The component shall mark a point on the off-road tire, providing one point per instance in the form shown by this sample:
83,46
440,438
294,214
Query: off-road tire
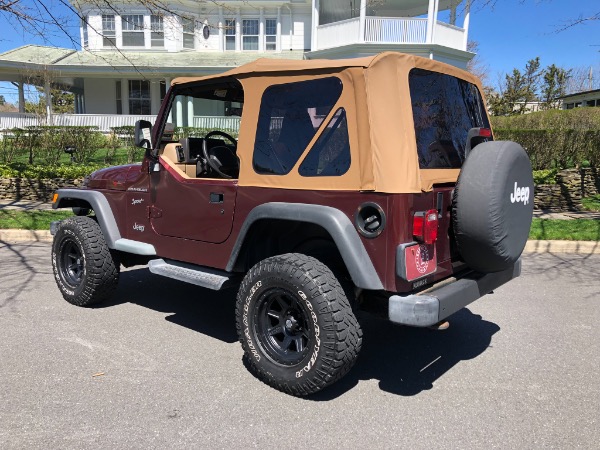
85,269
300,297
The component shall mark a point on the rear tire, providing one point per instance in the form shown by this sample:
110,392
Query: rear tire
85,269
295,324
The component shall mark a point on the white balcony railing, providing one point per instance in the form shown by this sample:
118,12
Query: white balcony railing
338,33
388,30
395,30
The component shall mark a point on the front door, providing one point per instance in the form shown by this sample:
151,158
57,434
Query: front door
191,208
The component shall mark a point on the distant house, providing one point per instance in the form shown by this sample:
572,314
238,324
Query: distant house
581,99
129,55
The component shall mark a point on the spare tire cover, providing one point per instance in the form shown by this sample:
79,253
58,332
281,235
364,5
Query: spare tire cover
493,206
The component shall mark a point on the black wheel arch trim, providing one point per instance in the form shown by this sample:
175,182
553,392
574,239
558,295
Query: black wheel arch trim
101,207
334,221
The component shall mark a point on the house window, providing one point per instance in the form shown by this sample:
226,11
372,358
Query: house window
139,97
84,22
250,34
157,35
271,34
118,96
108,31
229,34
133,30
189,26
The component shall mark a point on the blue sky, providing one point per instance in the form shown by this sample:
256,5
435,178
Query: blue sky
509,34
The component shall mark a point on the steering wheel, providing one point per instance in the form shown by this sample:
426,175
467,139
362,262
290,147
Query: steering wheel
212,159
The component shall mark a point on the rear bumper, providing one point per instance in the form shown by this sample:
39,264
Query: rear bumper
439,302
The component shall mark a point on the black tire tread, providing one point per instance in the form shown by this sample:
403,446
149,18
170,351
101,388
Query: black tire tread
341,337
102,267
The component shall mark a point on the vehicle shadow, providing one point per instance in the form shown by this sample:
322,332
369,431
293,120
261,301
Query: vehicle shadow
208,312
408,360
405,360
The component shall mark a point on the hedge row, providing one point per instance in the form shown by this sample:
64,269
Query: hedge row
550,149
555,119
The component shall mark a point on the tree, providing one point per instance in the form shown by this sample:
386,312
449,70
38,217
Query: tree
554,85
62,102
517,91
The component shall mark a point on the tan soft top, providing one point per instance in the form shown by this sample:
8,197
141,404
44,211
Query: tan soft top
376,98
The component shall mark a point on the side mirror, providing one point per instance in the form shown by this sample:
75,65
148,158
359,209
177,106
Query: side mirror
142,134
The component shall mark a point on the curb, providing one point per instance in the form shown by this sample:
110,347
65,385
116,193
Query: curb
580,247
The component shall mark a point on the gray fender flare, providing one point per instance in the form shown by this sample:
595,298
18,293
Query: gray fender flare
106,220
337,224
101,207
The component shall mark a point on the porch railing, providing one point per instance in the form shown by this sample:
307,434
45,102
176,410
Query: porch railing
395,30
388,30
105,122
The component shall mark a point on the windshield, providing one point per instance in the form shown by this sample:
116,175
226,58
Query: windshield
197,109
444,109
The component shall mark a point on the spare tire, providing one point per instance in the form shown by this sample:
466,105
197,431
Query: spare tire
493,206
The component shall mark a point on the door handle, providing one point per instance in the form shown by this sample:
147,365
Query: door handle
216,197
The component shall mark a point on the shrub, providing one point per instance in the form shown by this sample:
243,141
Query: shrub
71,171
556,148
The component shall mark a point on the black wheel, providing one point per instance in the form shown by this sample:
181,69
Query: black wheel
85,269
295,324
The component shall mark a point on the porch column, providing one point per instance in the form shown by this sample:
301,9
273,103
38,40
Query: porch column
125,96
278,38
466,23
361,26
238,30
453,12
261,29
190,111
154,96
179,111
167,87
21,88
221,24
48,93
431,19
315,24
76,103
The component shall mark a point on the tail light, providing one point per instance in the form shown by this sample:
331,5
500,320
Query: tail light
425,226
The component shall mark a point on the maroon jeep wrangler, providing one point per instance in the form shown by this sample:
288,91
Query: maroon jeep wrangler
353,184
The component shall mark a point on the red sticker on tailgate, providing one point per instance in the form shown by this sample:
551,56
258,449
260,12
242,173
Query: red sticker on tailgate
420,260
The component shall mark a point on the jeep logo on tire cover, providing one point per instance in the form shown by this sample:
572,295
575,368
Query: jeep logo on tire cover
520,195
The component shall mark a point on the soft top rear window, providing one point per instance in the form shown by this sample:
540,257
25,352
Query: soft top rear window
444,108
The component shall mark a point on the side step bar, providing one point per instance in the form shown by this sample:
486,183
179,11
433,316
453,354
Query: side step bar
190,273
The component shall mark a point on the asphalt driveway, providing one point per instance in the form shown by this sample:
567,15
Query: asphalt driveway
160,367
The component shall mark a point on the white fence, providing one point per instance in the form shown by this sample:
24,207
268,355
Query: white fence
217,122
105,122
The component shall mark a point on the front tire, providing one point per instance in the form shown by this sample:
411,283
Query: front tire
85,269
295,324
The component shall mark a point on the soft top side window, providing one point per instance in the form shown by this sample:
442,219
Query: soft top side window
330,156
289,117
444,109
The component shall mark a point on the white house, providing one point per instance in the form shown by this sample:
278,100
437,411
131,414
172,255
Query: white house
129,54
581,99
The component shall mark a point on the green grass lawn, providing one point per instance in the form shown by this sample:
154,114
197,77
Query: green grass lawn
591,203
565,230
545,229
30,220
